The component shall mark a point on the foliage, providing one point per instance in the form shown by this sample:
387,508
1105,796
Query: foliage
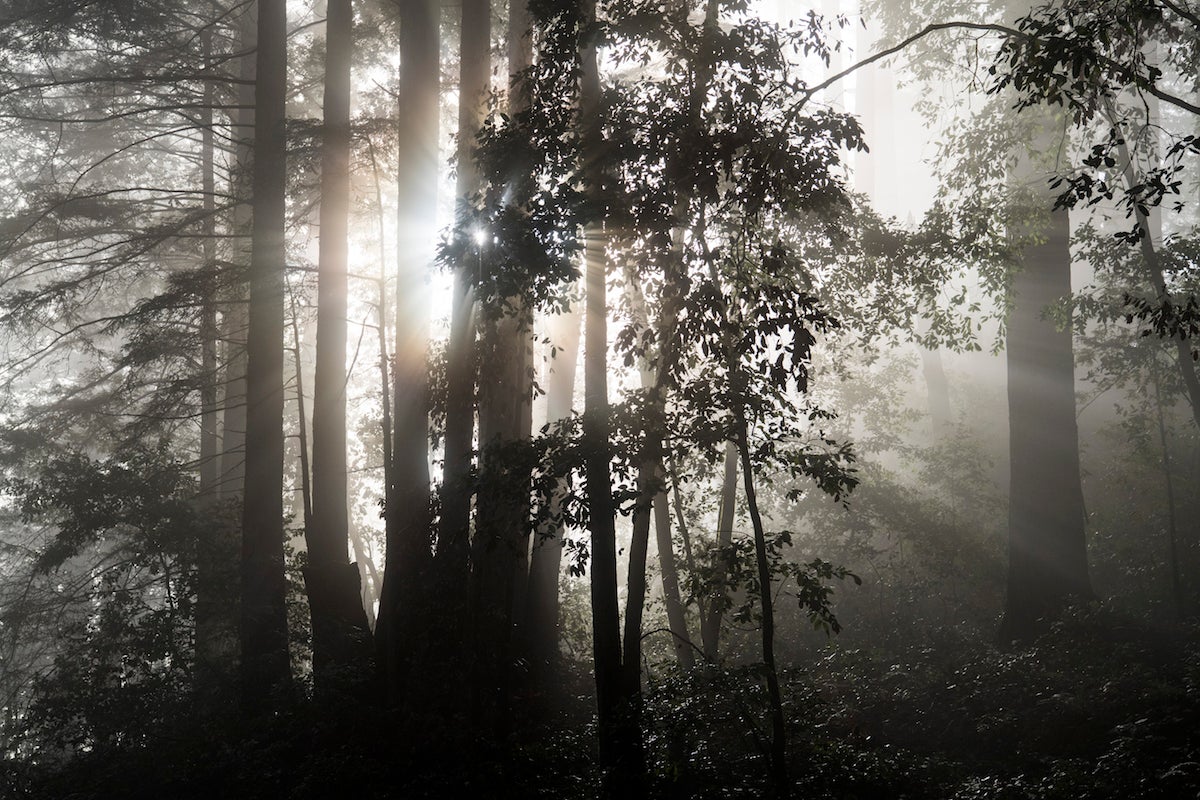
122,546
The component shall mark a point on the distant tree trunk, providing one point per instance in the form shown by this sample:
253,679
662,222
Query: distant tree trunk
1154,270
648,482
621,754
714,606
1047,545
505,395
1183,357
333,584
938,389
681,639
1181,610
216,590
540,632
408,561
302,444
265,668
235,288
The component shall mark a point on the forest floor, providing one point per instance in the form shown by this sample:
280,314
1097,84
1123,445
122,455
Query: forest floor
1096,709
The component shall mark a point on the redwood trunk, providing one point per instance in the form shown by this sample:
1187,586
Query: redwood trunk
339,623
407,506
266,670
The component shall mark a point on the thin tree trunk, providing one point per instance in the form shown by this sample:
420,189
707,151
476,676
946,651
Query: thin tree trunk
209,437
541,629
266,670
235,288
1183,348
1172,533
621,755
681,639
649,470
216,618
407,562
710,625
778,732
302,444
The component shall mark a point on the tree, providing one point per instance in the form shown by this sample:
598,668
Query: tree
621,754
338,620
500,549
407,501
452,560
266,666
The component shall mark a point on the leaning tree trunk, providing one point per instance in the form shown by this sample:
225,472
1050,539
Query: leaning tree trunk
266,670
774,698
681,639
407,563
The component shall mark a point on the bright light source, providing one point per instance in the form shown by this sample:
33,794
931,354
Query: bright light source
480,236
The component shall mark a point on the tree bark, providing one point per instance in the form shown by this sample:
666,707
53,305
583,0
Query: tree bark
333,584
452,561
266,670
621,755
1047,545
235,288
681,639
216,590
540,629
407,563
501,543
778,731
714,612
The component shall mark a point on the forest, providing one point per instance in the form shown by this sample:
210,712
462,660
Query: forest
600,399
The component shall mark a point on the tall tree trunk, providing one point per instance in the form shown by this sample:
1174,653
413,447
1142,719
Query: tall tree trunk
302,445
621,754
648,482
333,584
235,288
408,560
453,546
505,395
216,610
1154,270
1177,595
657,380
540,631
266,670
714,606
1047,544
